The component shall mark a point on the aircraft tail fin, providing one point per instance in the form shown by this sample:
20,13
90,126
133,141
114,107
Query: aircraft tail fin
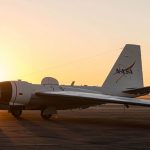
126,73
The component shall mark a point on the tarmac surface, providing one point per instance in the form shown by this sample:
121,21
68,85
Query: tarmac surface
98,128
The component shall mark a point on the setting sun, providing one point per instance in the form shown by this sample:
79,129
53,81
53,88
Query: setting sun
3,73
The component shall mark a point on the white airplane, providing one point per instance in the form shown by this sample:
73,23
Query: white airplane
123,84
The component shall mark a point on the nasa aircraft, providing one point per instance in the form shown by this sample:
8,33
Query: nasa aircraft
123,84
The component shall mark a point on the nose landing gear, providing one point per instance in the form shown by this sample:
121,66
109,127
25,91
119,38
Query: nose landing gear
15,111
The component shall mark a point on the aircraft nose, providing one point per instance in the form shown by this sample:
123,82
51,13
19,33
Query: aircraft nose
0,94
5,92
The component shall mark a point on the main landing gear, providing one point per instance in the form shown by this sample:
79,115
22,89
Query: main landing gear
47,112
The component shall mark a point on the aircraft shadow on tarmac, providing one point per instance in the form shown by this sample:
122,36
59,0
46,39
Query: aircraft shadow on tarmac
98,122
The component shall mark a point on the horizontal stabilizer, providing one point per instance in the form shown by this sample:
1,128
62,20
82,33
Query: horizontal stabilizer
139,91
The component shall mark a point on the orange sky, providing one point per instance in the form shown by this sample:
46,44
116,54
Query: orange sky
70,40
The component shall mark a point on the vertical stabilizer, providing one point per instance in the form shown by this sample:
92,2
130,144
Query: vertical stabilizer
127,73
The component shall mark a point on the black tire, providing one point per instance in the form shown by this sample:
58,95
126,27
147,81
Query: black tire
47,116
16,112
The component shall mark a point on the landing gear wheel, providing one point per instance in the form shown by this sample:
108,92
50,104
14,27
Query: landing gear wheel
45,115
16,112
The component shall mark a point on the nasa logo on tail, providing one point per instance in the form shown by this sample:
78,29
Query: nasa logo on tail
124,71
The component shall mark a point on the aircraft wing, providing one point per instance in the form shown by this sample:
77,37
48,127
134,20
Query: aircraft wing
73,97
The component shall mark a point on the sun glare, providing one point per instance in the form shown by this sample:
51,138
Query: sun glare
3,74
